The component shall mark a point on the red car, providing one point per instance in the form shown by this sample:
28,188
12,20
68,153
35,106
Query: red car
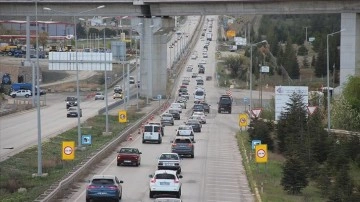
128,156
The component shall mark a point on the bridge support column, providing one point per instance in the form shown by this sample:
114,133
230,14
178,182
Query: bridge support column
154,55
349,46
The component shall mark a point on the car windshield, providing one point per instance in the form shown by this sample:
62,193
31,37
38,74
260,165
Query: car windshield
184,128
165,176
167,115
102,181
199,93
169,157
198,107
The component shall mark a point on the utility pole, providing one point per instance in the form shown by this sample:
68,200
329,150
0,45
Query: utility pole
306,38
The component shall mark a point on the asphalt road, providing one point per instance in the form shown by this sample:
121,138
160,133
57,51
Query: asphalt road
216,174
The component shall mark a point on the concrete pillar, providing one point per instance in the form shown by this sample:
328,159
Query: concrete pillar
27,61
349,46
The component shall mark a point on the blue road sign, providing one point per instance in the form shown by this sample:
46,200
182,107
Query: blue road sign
245,100
86,139
255,142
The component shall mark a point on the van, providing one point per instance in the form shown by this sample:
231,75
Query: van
152,133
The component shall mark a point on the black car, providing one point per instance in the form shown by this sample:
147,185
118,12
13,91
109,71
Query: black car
182,90
175,113
201,70
71,102
196,125
206,107
225,104
198,108
200,82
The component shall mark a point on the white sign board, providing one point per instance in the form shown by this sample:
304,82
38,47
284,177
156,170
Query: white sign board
265,69
282,96
88,61
240,41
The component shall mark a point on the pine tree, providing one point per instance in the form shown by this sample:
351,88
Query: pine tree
313,61
291,65
259,130
342,189
294,177
306,63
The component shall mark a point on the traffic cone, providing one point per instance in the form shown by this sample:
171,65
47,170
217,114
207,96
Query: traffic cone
130,138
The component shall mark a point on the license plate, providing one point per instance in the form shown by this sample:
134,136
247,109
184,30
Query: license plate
127,161
164,183
101,193
168,164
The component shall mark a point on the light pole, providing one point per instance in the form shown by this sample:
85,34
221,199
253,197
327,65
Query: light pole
136,66
77,67
251,55
328,79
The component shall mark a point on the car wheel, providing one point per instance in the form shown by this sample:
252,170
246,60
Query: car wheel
26,95
192,156
151,194
143,141
120,196
118,164
88,200
219,111
172,123
178,195
13,96
230,112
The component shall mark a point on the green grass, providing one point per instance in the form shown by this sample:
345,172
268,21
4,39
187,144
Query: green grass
16,172
269,176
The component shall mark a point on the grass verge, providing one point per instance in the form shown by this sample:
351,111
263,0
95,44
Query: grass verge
16,172
265,178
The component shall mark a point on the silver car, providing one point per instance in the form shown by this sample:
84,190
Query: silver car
99,96
166,119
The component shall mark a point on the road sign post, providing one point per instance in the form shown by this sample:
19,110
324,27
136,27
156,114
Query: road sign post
243,120
261,155
122,116
68,150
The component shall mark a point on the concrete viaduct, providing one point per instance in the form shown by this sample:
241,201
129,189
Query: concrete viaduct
156,44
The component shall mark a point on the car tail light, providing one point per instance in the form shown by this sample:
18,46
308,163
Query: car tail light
190,144
113,187
176,181
153,180
176,164
91,187
174,144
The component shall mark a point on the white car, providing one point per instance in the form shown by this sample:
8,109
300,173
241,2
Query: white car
202,62
176,106
197,117
169,161
168,200
185,130
199,95
193,57
99,96
202,115
131,80
21,93
165,182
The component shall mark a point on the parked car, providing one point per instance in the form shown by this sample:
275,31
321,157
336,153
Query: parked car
169,161
99,96
166,182
21,93
167,118
73,112
128,156
183,146
102,187
71,101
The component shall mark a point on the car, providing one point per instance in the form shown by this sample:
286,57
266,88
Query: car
128,156
208,78
165,182
201,70
168,200
182,89
202,116
198,108
202,61
99,96
175,114
183,146
152,133
196,117
199,95
167,118
225,104
185,82
71,101
73,112
102,187
193,57
206,107
182,101
194,75
196,125
176,106
117,95
185,95
186,131
117,89
21,93
200,82
189,68
205,55
169,161
131,80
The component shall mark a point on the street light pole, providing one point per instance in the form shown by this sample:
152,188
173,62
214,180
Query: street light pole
251,59
328,79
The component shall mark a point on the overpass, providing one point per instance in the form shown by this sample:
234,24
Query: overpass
349,9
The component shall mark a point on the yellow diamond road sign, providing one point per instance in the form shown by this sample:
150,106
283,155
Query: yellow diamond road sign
122,116
243,120
261,154
68,150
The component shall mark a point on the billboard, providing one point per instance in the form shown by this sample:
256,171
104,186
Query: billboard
282,96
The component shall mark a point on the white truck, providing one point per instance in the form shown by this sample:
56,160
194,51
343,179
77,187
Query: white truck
209,36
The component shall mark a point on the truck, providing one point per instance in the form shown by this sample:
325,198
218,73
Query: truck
209,36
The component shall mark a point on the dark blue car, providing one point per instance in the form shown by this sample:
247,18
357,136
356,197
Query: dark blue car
104,187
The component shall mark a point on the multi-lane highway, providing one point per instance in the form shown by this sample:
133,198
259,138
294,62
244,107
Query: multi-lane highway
215,174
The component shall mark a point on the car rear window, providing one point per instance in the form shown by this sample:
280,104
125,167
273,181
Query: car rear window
199,93
182,141
165,176
225,100
102,181
169,157
148,129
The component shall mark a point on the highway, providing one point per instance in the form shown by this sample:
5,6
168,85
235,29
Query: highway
215,174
